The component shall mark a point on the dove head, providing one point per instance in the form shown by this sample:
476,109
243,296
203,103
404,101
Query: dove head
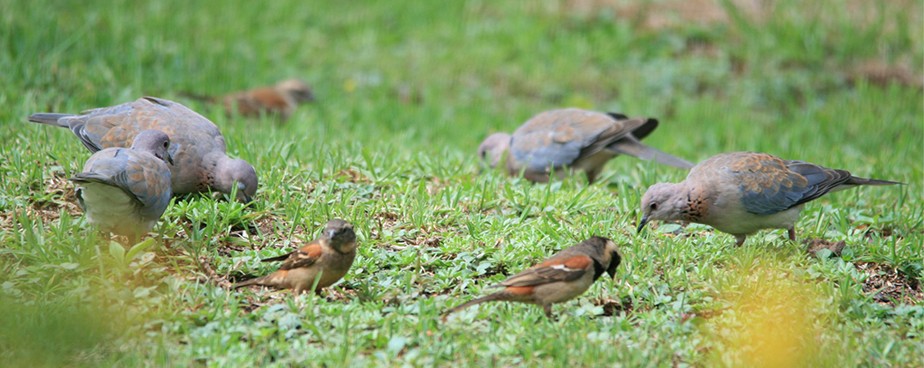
236,173
662,201
340,235
493,147
154,142
297,88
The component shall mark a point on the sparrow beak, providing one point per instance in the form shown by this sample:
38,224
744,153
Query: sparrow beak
641,224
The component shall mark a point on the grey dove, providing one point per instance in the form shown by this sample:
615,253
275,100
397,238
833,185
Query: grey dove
126,190
742,192
570,139
197,145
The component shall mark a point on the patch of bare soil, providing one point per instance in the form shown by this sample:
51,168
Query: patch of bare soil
47,210
353,176
612,307
883,74
888,285
659,15
63,197
817,245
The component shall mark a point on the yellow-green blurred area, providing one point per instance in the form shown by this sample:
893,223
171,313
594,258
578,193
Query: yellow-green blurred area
50,333
405,91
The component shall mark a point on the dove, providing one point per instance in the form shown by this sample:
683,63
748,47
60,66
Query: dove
325,261
197,146
742,192
280,99
126,190
562,277
569,139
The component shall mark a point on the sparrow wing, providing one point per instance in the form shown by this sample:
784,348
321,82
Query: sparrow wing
552,270
303,257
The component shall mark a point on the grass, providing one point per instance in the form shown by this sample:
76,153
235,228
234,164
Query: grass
406,91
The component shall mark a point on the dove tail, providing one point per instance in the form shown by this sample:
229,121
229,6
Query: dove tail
90,177
50,118
198,97
637,149
487,298
855,180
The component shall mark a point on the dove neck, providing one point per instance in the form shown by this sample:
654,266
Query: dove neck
219,164
692,201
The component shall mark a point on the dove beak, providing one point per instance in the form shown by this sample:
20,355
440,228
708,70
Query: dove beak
241,194
169,158
641,224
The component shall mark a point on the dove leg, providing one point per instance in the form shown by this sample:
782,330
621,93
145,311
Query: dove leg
739,240
792,233
548,310
592,175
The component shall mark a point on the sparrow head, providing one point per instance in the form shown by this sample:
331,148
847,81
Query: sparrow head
236,174
493,148
155,142
660,203
297,88
604,252
340,235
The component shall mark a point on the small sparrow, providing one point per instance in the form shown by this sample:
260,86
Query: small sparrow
325,260
126,190
562,277
280,99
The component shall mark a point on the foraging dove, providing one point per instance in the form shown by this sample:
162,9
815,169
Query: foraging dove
126,190
325,261
742,192
197,145
280,99
572,139
560,278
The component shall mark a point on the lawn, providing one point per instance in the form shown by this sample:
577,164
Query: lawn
405,92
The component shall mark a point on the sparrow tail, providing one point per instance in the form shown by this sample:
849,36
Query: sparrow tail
256,281
49,118
276,258
487,298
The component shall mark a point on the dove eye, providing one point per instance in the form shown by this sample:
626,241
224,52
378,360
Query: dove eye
653,206
166,144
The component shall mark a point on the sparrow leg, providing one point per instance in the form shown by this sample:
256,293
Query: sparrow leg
792,233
